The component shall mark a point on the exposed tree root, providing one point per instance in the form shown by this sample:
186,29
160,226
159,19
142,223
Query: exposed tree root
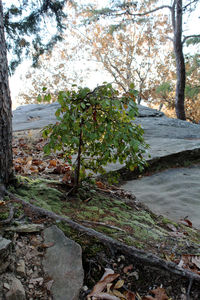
141,256
11,215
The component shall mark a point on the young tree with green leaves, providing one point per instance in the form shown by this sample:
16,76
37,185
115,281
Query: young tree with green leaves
97,126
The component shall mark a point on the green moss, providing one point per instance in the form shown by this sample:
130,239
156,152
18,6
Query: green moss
39,192
142,228
4,215
166,221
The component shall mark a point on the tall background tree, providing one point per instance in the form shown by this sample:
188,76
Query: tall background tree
21,22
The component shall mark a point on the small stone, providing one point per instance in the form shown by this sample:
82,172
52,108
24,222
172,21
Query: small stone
85,288
134,274
49,285
35,268
21,268
29,272
6,285
39,280
16,291
30,286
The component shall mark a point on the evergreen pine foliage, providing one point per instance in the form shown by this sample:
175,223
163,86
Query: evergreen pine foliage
26,28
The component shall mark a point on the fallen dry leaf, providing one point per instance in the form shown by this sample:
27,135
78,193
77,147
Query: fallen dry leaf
119,284
104,296
101,285
196,260
130,295
100,185
186,222
159,294
118,294
190,262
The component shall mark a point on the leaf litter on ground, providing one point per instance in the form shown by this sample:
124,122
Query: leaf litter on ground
107,288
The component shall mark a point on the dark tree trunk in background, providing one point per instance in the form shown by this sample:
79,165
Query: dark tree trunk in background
5,111
177,14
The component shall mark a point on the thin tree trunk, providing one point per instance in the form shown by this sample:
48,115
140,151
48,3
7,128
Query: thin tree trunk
5,111
180,62
77,168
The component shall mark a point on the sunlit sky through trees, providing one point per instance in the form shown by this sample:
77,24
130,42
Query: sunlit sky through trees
191,26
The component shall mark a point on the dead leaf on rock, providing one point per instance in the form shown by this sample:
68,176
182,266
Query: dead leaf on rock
186,222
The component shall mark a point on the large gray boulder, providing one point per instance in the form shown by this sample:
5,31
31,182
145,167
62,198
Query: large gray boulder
63,264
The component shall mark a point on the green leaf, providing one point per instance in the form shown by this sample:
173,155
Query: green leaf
47,98
39,98
83,105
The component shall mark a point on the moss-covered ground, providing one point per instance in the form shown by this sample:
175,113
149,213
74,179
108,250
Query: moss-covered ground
126,221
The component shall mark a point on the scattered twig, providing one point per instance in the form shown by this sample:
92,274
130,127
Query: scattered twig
189,289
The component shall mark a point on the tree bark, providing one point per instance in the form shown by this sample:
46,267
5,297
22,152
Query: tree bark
5,111
177,13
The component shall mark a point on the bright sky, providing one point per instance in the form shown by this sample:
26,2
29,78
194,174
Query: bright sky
192,26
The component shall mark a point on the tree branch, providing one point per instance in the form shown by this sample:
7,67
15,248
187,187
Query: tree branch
190,36
148,12
185,7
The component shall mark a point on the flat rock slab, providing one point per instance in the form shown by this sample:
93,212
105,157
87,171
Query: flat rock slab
63,264
164,135
174,193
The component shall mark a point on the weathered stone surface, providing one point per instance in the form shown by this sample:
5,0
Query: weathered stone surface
63,263
34,116
5,246
16,291
164,135
174,193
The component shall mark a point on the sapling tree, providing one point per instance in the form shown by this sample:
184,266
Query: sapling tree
97,126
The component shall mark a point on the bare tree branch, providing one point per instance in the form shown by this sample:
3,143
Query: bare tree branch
191,2
148,12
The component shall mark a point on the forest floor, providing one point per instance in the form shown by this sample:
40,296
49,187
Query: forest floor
42,181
